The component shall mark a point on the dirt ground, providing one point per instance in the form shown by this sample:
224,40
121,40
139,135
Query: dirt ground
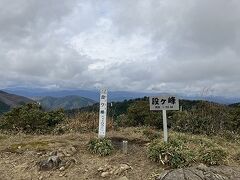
20,153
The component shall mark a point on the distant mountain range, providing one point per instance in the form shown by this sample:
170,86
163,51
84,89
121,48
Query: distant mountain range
8,101
91,94
67,102
113,95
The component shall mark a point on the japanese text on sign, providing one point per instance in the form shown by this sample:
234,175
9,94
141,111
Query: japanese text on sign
164,103
102,113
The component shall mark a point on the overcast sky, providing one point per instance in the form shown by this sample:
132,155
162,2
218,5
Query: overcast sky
184,46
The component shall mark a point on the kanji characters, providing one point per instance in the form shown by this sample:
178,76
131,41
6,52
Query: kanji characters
172,100
163,101
155,101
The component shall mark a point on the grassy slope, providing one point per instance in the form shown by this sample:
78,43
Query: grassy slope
19,154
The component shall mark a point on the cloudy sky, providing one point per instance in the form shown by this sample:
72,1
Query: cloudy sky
186,46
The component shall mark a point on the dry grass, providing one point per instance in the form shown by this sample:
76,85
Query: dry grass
198,141
82,122
15,165
19,154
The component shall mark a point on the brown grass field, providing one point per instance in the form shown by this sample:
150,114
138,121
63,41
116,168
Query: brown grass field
20,153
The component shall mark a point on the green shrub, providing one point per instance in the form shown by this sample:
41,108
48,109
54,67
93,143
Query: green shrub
172,154
212,156
31,119
103,147
183,150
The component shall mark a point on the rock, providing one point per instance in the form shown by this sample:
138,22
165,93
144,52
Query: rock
60,154
52,162
108,170
105,174
113,170
39,153
202,167
100,169
105,168
40,178
117,171
55,160
44,165
122,168
73,150
125,167
54,153
201,172
62,168
122,178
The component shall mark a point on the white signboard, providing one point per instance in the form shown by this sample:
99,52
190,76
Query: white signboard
164,103
102,113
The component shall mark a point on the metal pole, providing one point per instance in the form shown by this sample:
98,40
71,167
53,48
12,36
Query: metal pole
165,133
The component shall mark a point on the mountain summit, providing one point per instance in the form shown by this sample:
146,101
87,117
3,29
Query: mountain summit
8,101
67,102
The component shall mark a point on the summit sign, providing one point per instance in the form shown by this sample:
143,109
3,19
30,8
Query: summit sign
164,103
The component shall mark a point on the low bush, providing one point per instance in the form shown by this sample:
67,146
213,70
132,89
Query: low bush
212,156
139,114
31,119
206,118
184,150
102,147
172,154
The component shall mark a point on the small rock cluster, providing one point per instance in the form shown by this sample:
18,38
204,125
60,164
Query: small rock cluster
109,170
67,152
56,160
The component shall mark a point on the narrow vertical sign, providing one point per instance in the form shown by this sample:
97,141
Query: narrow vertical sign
102,113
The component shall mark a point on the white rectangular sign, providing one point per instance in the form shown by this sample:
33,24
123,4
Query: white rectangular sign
164,103
102,113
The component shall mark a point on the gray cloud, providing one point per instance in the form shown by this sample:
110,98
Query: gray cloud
149,45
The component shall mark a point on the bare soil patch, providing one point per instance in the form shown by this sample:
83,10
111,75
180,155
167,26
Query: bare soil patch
19,155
